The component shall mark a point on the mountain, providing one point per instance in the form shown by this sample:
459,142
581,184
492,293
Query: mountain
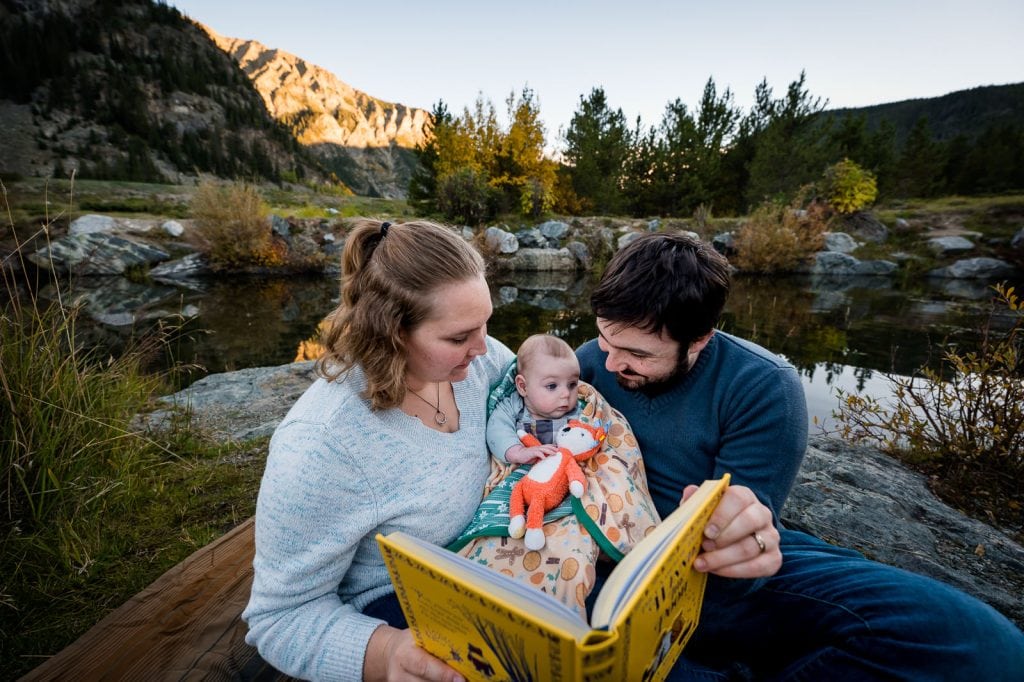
132,90
965,112
369,143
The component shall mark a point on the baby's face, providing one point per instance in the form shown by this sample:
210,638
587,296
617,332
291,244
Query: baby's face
549,386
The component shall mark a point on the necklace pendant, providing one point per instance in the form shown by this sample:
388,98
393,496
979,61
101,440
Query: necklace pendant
440,418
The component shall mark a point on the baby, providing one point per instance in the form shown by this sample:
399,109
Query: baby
546,397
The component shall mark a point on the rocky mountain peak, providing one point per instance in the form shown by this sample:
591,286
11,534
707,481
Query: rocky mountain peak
368,142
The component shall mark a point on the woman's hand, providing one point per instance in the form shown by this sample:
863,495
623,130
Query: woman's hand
740,540
392,655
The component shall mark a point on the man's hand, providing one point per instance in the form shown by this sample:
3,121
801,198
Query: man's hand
740,540
392,655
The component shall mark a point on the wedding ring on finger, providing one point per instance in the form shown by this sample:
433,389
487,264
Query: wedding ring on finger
759,540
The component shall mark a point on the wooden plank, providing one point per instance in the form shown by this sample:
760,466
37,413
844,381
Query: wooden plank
184,626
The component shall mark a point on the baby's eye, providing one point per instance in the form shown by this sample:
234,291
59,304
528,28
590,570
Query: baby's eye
573,384
551,387
459,340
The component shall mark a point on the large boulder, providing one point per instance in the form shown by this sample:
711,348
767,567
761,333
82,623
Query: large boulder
539,259
92,224
865,226
96,253
976,268
950,246
498,240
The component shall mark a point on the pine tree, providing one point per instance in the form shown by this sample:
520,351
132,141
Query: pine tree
597,145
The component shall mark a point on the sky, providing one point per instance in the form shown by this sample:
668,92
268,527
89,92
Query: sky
644,53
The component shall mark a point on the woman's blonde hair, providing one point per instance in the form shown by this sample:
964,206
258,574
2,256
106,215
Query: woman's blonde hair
388,275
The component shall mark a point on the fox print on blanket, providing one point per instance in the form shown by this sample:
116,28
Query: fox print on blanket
549,480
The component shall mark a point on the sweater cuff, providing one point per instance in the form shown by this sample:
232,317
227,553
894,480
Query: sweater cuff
343,658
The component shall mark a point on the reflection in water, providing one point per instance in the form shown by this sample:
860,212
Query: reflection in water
839,334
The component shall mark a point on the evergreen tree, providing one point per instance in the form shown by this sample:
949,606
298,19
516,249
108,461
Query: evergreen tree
787,152
642,184
919,169
716,124
423,184
597,145
676,184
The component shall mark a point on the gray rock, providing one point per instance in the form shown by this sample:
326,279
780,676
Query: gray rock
840,242
119,302
280,226
628,238
976,268
507,294
876,267
539,259
554,230
857,497
1018,240
192,265
948,246
531,238
467,233
581,253
834,264
901,224
724,243
96,253
92,224
498,240
653,225
173,228
239,405
849,495
864,225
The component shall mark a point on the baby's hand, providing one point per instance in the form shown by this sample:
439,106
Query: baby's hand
528,455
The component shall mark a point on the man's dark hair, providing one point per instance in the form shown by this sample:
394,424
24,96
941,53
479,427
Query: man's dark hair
664,281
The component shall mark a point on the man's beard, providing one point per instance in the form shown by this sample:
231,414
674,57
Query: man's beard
656,384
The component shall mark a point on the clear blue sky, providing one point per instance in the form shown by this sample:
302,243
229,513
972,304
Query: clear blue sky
645,53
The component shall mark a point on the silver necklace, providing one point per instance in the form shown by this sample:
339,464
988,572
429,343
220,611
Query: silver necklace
440,418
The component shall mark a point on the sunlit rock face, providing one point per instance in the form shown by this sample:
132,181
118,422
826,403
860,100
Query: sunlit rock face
369,143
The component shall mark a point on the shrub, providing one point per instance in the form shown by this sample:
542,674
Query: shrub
231,225
777,237
848,188
966,413
465,196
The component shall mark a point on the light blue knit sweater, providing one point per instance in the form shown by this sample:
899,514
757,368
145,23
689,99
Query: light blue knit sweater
338,474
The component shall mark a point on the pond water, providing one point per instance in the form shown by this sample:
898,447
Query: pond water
840,334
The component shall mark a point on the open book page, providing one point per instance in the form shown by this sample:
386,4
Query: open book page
629,577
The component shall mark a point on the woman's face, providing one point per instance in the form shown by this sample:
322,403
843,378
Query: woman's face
443,345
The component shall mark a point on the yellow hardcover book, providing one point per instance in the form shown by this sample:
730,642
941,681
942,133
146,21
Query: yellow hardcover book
491,627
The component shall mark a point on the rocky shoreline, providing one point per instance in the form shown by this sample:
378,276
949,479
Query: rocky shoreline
849,495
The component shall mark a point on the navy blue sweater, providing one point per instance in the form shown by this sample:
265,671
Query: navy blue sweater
740,409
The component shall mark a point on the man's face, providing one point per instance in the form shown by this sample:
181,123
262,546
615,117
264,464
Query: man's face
639,358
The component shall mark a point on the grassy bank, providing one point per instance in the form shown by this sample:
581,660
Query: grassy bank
93,506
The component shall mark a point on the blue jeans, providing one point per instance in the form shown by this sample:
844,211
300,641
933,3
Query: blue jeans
830,614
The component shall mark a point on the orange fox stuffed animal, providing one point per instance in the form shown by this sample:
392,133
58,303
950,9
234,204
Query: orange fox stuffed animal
548,481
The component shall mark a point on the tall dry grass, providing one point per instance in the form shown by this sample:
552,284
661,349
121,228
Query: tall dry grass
232,227
777,237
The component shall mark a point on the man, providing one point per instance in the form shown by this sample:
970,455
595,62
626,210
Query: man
702,403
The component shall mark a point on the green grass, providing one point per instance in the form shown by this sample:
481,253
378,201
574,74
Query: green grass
94,507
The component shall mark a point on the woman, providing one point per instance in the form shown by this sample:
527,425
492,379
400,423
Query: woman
391,437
